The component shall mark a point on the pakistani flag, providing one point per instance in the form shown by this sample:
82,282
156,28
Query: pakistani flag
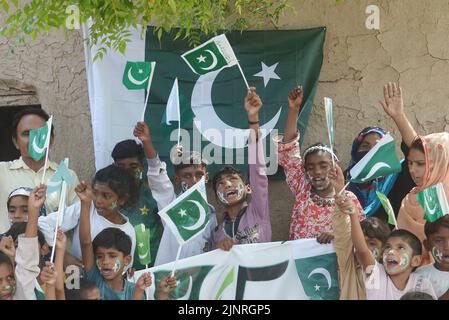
188,215
138,75
213,55
62,174
434,201
381,160
319,276
39,140
143,244
173,110
388,208
329,120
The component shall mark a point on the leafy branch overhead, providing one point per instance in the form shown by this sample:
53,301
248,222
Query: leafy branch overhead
111,19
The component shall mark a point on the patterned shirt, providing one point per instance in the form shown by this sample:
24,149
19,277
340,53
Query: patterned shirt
309,219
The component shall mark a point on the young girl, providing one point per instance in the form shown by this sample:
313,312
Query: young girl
113,188
308,179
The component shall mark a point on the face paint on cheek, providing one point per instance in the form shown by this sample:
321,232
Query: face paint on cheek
437,255
222,198
97,262
117,265
375,253
113,206
184,186
405,261
240,191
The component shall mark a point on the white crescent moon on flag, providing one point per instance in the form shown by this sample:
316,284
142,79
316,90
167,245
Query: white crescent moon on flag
36,147
374,169
133,80
214,61
324,272
431,211
210,123
143,256
189,290
201,218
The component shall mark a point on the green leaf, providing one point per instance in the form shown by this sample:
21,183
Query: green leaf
172,5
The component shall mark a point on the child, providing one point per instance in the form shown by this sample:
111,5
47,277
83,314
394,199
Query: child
375,231
308,179
187,173
18,283
88,290
130,155
400,257
114,188
245,223
437,242
18,205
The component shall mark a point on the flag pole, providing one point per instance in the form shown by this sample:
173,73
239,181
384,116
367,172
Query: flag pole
45,165
50,125
176,260
153,64
344,188
243,75
60,213
179,125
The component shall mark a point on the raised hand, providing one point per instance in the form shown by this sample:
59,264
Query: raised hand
345,204
7,247
252,104
142,131
36,199
61,240
295,99
393,104
337,178
144,281
84,192
49,274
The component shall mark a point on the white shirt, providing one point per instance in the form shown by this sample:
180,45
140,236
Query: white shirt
379,285
439,279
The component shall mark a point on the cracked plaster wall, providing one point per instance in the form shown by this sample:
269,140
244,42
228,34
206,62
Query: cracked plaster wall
411,47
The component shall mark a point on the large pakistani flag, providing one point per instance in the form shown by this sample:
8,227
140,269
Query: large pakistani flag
188,215
39,140
211,104
434,202
380,161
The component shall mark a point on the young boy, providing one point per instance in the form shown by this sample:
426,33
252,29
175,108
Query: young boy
437,242
401,256
375,231
243,222
88,290
187,173
17,205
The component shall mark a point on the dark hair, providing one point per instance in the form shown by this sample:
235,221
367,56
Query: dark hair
32,110
433,227
4,259
19,228
410,238
190,159
319,144
81,293
417,145
128,149
121,181
228,170
113,238
376,228
416,295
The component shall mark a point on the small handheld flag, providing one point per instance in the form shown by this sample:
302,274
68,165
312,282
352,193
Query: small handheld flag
330,123
434,202
388,208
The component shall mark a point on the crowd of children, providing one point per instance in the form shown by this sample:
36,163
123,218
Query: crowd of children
97,232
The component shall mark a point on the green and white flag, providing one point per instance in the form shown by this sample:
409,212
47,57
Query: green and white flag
388,208
380,161
138,74
188,215
61,174
215,54
434,201
143,244
39,140
172,112
329,120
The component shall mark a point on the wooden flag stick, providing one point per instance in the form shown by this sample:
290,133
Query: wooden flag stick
176,260
58,217
243,75
153,65
344,188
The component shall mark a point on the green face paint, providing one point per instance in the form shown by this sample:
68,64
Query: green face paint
113,206
437,255
403,264
375,253
117,265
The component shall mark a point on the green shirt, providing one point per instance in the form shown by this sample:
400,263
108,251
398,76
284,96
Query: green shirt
106,292
146,212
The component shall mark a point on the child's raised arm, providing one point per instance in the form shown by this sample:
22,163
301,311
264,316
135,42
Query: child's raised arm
61,241
294,102
35,202
142,132
84,192
252,108
48,276
394,107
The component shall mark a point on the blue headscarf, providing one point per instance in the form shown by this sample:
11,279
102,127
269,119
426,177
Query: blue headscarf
368,198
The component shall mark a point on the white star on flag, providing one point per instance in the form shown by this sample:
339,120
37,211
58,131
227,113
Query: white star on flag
201,58
317,287
140,244
140,70
268,73
182,213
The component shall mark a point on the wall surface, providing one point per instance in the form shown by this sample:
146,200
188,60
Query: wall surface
411,47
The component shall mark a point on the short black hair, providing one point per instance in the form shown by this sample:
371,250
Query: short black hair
19,228
121,181
4,259
416,295
228,170
22,113
128,149
81,293
113,238
376,228
417,144
433,227
189,159
412,240
318,144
